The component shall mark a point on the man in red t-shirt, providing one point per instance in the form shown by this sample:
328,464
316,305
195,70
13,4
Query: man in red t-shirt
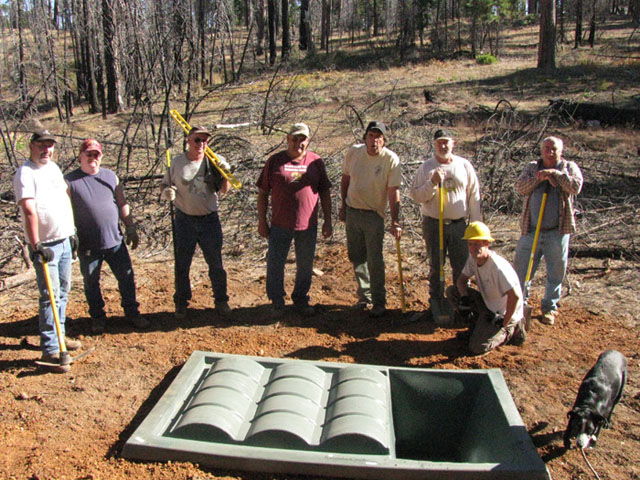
296,178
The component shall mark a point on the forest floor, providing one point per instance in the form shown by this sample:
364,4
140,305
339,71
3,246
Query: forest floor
73,426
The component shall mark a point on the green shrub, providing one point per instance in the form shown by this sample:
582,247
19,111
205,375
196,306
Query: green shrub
486,59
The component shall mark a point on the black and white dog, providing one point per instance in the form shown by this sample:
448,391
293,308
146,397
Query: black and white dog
599,393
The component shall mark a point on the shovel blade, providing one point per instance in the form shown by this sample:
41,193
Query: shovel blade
527,317
441,312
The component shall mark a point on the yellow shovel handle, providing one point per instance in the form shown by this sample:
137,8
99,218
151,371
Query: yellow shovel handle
54,308
534,246
400,277
441,235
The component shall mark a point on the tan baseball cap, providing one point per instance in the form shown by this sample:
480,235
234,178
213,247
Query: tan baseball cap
199,129
299,129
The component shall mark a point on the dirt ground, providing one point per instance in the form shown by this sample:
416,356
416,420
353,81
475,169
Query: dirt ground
73,426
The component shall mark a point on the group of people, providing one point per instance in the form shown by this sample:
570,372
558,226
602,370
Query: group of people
79,214
69,217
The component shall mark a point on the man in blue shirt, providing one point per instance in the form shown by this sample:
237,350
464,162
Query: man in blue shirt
98,203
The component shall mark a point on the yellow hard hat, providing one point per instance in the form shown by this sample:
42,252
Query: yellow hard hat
477,231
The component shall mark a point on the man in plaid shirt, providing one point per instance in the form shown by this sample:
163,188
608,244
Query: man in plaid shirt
562,180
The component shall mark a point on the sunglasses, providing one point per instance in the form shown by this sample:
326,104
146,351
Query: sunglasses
200,140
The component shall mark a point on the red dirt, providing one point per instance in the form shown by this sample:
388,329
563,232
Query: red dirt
73,426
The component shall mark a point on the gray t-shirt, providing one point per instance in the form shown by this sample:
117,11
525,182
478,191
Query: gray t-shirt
551,218
193,195
94,208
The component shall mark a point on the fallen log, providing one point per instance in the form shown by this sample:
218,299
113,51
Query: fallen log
605,114
604,252
18,279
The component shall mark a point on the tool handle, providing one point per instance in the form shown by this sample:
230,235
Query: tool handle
54,309
400,276
213,158
441,236
536,236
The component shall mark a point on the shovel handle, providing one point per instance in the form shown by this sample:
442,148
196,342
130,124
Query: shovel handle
54,309
400,277
536,236
441,235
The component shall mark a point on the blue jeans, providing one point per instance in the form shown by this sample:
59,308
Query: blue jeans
120,263
305,248
60,276
554,247
454,246
365,233
205,231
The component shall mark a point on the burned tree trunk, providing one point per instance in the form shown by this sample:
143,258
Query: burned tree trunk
271,14
547,44
112,67
286,37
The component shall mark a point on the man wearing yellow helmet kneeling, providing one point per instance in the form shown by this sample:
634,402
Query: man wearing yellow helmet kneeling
497,308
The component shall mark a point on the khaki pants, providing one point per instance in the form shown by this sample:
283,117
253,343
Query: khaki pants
365,232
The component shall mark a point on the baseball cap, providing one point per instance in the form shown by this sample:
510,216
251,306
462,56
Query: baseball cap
376,125
299,129
199,129
90,144
441,133
41,135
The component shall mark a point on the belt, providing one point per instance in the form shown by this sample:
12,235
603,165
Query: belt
196,216
360,209
448,221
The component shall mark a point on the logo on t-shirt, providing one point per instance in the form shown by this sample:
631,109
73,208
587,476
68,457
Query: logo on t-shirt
449,183
294,172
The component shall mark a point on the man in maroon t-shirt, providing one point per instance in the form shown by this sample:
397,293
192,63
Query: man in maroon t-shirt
295,178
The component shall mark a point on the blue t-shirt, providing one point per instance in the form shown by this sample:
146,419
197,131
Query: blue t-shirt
94,208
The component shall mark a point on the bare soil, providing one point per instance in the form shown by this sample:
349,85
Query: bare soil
73,426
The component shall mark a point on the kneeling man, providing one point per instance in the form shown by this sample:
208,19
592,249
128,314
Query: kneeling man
497,308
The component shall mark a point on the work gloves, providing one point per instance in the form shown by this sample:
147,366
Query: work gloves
498,320
223,163
464,305
212,176
45,253
168,194
465,309
131,235
73,240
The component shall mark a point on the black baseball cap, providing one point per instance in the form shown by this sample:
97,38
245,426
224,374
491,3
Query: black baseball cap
442,133
376,125
42,135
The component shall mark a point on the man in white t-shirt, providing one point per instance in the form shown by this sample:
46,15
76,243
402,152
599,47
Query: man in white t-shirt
497,308
47,220
371,176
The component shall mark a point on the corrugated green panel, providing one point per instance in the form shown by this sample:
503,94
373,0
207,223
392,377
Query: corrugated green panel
339,420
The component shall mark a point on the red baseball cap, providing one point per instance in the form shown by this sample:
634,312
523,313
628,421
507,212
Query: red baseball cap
90,144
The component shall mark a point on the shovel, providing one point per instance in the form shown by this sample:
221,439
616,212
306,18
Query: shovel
527,279
440,315
173,217
65,358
